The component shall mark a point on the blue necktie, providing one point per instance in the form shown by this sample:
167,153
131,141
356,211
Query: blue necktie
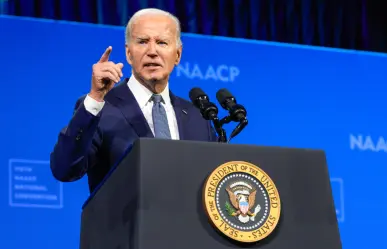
160,120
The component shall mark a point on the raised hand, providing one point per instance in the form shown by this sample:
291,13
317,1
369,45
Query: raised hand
105,75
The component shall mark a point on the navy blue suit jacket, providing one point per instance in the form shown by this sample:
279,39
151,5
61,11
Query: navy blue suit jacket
93,144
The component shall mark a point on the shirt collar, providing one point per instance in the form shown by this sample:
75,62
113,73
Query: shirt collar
143,94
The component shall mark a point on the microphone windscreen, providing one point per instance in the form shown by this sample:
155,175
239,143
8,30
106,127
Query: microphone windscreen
195,93
222,95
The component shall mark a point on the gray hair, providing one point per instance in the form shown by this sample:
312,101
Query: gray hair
152,11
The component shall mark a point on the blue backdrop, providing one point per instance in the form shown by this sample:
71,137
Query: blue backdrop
296,96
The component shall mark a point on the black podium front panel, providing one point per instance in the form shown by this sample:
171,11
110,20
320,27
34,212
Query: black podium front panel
154,198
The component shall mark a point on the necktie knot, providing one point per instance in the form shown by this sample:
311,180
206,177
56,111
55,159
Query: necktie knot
157,98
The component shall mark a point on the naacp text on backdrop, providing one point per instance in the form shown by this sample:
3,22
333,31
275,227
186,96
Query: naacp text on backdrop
222,73
367,143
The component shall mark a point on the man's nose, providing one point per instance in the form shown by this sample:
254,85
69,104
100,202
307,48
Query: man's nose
152,51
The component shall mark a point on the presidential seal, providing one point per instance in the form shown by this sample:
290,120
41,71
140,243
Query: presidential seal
242,201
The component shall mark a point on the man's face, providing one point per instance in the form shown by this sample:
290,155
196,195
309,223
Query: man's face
153,50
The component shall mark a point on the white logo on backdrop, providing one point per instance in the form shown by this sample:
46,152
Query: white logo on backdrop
32,185
222,73
338,195
367,143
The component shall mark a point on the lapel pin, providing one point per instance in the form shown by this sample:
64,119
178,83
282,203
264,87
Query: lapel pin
184,111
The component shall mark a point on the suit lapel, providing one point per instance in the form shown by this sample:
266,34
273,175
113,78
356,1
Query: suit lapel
131,110
181,112
124,99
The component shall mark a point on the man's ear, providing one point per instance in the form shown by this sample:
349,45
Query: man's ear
178,55
128,54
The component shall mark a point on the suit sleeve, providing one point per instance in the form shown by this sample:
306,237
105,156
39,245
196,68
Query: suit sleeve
77,145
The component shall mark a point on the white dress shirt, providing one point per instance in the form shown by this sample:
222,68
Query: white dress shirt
143,96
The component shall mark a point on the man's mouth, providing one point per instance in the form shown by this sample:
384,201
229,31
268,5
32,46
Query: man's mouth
152,65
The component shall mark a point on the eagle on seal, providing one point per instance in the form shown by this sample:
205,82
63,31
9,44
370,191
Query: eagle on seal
242,203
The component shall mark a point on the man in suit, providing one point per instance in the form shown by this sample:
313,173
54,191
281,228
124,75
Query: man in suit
110,118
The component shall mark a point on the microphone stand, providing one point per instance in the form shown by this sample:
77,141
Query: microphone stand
210,112
242,124
222,137
227,119
218,124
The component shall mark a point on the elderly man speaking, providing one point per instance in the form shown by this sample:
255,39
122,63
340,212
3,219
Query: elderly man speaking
111,117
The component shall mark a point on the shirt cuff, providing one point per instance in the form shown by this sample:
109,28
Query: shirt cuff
93,106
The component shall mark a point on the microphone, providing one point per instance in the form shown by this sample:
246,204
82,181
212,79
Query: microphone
201,101
237,112
208,110
228,102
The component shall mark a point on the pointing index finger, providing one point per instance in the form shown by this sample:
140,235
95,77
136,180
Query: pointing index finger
106,54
